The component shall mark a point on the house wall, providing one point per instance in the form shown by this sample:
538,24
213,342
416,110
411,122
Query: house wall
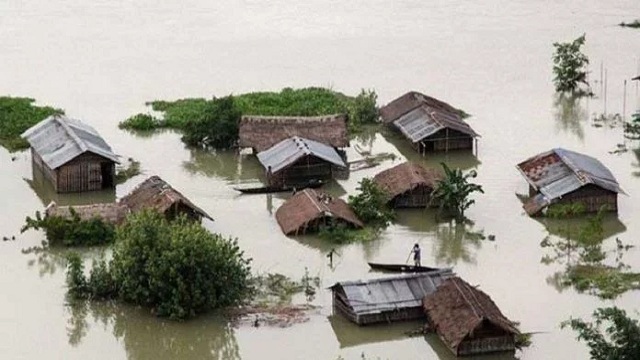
447,140
486,345
84,173
38,163
307,168
416,198
593,198
178,209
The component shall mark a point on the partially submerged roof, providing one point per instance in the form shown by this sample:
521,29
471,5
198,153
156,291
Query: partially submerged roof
157,194
58,140
308,205
412,100
263,132
290,150
113,213
559,171
425,121
457,309
406,177
390,293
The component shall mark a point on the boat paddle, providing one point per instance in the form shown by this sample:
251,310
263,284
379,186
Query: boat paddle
409,257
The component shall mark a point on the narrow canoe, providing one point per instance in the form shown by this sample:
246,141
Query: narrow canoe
273,189
401,268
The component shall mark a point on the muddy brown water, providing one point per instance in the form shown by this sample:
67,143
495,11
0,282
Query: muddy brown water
101,60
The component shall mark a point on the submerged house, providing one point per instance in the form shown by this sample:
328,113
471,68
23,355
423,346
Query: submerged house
112,213
467,320
430,124
408,184
263,132
564,177
387,299
71,155
308,210
297,160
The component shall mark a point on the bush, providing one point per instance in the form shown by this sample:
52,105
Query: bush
452,193
569,65
72,231
371,204
141,122
16,116
341,234
363,109
177,268
216,127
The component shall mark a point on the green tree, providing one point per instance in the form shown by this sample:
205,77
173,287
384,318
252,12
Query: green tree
216,127
363,109
569,65
371,204
619,340
452,193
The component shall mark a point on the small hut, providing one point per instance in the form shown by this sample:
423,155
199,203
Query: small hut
71,155
566,177
263,132
408,185
396,298
430,124
155,193
297,160
467,320
308,210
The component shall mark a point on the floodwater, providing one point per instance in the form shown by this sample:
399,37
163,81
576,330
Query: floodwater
101,60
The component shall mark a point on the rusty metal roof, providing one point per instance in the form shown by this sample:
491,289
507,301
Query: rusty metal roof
58,140
290,150
390,293
559,171
425,121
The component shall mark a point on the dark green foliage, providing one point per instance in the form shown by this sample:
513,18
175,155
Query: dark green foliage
634,24
126,172
619,340
363,109
370,205
216,127
141,122
76,281
452,193
342,234
72,231
310,101
16,116
569,65
177,268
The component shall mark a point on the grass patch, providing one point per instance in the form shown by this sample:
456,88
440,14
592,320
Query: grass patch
341,234
126,172
634,24
17,114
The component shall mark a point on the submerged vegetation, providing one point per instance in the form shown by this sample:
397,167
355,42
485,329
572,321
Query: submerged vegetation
634,24
18,114
370,204
570,66
71,231
177,268
341,234
619,340
451,194
126,172
580,249
213,122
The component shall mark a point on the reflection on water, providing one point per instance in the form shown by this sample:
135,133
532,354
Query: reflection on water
570,113
147,337
636,165
48,260
350,334
226,164
445,354
46,193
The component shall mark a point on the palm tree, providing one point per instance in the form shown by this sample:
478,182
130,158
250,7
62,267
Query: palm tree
452,193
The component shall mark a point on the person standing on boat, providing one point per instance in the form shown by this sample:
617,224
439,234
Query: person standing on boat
416,254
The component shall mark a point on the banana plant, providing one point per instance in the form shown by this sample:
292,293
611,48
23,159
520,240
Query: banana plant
452,192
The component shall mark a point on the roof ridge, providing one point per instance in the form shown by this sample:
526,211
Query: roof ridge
465,299
76,139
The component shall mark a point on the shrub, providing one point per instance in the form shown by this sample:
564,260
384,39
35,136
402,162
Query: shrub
72,231
16,116
371,204
569,65
216,127
363,109
141,122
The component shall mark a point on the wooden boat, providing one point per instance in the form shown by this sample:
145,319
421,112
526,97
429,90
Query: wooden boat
273,189
401,268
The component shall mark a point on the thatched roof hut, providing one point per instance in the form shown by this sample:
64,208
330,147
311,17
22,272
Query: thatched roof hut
308,209
113,213
263,132
408,184
467,320
157,194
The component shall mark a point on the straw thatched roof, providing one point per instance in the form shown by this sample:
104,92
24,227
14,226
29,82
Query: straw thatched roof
456,309
406,177
111,212
309,205
412,100
157,194
263,132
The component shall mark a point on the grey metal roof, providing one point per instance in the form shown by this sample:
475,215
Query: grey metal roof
424,121
58,140
390,293
290,150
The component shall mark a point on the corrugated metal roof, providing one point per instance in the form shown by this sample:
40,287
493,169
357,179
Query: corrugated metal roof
424,121
385,294
291,150
58,140
559,171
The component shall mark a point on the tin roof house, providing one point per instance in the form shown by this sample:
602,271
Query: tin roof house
565,177
71,155
430,124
